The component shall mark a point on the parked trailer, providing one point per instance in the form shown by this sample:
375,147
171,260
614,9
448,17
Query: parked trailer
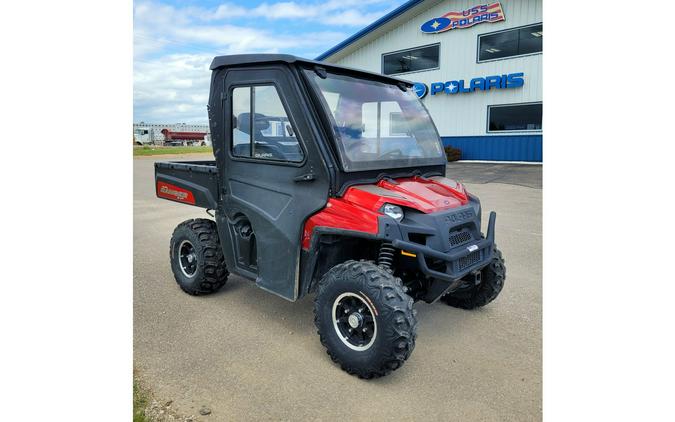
183,138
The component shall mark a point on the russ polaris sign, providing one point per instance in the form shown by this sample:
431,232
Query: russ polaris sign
492,12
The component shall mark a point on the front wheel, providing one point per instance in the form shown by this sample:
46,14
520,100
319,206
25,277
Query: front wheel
364,318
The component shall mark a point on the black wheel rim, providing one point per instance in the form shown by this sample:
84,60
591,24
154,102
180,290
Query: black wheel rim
187,258
354,321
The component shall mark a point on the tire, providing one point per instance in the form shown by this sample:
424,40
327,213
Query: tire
367,290
492,282
205,272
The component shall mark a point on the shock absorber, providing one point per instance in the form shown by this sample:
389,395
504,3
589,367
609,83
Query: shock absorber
386,257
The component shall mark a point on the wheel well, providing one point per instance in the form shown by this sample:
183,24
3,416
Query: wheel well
333,249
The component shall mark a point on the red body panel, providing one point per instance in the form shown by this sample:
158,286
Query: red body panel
358,209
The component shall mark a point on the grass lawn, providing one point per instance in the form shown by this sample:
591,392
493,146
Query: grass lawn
157,150
140,403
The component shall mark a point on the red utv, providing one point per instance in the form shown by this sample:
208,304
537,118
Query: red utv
330,180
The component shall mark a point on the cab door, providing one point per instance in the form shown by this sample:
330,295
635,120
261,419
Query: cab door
274,176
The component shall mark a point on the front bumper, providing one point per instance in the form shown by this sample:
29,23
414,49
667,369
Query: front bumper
449,247
459,261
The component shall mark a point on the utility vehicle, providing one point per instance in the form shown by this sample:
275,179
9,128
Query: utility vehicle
330,180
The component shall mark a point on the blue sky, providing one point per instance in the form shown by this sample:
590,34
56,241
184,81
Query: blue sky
174,42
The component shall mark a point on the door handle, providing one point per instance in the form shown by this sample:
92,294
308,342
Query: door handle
304,177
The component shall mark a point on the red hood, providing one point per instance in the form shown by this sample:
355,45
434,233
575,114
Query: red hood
359,208
424,194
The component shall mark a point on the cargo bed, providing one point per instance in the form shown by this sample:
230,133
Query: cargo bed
188,182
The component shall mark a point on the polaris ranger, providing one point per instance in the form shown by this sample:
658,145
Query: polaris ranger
330,180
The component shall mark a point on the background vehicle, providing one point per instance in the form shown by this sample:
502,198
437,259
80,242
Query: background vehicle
142,136
174,138
330,180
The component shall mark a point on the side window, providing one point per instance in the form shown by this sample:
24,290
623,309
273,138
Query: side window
511,43
241,106
413,60
515,117
261,127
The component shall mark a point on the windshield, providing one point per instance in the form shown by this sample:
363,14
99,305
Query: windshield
378,125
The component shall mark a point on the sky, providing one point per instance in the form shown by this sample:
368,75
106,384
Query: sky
175,41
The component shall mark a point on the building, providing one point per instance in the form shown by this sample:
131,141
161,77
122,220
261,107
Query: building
477,67
152,132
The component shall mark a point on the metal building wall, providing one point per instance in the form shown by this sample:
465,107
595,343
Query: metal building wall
462,118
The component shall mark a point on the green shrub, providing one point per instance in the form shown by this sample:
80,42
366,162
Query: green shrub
453,154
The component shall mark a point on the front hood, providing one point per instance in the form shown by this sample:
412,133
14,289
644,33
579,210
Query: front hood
424,194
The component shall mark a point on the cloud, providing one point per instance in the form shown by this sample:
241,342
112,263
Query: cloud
174,45
350,10
174,89
243,40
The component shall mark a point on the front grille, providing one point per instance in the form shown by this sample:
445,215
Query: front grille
460,237
468,260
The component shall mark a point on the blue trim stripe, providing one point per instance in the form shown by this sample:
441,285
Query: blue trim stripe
370,28
498,147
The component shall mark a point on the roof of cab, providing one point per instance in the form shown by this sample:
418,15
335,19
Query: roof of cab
248,59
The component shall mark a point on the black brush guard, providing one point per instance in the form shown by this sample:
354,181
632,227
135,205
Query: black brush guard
454,270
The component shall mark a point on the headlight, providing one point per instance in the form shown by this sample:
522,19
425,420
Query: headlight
393,211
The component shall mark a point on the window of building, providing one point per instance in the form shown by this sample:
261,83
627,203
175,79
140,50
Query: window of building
514,117
413,60
510,43
261,127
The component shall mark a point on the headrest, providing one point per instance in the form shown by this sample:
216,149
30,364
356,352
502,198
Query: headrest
261,122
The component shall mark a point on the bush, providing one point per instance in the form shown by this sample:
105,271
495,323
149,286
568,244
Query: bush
453,154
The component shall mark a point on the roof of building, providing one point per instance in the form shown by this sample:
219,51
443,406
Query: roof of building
396,13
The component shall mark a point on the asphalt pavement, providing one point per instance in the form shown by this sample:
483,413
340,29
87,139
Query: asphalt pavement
249,355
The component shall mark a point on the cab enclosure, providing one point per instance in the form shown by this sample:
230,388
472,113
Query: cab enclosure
316,164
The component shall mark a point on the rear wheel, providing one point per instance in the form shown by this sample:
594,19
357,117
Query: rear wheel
365,319
196,257
491,284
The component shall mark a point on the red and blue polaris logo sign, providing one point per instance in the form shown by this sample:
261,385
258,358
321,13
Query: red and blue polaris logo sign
492,12
511,80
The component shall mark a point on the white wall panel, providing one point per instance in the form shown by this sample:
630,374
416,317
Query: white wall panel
460,114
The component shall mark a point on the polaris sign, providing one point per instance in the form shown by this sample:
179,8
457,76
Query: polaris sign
464,19
420,89
511,80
